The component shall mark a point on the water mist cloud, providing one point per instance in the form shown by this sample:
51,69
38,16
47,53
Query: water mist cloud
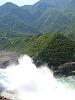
27,76
28,82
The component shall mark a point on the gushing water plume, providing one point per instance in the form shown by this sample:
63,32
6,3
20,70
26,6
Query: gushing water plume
27,82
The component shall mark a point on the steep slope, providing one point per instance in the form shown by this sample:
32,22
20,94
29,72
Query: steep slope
37,9
70,9
52,20
60,4
70,12
48,17
43,16
15,19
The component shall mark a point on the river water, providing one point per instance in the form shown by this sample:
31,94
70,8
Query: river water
27,82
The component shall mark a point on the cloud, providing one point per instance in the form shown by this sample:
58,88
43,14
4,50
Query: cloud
19,2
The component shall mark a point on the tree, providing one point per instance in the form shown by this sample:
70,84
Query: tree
58,51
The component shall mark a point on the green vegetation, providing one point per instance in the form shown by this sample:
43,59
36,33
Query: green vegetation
31,45
22,30
59,51
51,48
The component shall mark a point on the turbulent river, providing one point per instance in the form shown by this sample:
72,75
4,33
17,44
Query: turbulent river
27,82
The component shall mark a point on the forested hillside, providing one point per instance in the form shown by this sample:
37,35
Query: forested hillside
53,49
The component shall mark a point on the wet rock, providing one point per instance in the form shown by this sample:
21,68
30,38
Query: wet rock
66,69
4,98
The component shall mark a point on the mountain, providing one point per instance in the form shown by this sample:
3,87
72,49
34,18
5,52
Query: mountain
15,19
52,20
48,17
56,3
43,16
70,9
70,12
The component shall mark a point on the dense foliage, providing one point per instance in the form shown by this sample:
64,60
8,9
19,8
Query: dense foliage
51,48
31,45
58,51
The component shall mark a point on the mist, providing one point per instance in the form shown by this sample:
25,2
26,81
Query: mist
27,82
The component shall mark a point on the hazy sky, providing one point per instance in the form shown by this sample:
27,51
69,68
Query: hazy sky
19,2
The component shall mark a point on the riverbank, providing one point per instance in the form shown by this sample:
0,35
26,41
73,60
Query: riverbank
8,58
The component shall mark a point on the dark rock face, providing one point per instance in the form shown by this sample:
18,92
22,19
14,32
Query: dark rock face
66,69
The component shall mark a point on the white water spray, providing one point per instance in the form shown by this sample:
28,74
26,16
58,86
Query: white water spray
27,82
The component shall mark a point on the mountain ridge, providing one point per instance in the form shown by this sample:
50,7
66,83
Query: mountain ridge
43,16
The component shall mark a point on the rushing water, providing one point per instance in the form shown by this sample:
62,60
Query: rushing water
26,82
